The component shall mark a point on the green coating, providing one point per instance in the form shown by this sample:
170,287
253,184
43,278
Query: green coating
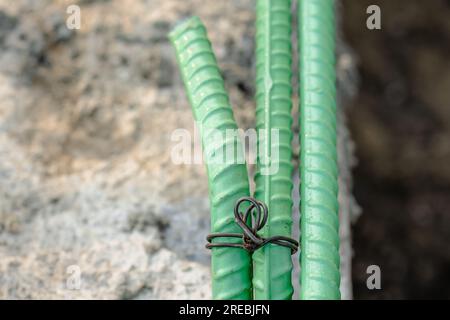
228,180
320,276
272,264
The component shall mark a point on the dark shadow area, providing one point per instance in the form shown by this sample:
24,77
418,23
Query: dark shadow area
400,122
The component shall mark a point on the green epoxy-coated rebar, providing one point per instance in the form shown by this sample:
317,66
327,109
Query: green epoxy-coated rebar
228,180
272,265
320,276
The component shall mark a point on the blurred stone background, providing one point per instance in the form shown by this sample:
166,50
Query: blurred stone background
87,185
88,188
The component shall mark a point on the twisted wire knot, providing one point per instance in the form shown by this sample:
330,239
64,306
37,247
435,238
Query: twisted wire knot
256,215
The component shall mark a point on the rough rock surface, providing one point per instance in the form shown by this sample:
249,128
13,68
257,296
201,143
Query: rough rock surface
91,205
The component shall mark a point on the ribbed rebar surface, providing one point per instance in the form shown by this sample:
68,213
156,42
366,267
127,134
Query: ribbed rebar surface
272,263
319,207
228,180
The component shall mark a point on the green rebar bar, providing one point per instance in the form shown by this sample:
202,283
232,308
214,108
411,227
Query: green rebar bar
272,265
228,180
320,276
